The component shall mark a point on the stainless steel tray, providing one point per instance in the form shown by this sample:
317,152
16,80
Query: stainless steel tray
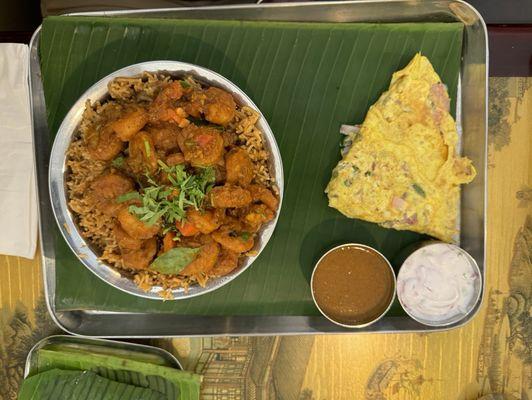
163,357
471,118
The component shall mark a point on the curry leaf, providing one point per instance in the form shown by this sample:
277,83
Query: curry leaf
174,261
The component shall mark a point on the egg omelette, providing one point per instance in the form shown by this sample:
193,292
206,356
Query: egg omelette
402,170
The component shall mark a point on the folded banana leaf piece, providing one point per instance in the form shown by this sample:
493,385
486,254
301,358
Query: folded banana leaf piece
60,384
86,348
68,372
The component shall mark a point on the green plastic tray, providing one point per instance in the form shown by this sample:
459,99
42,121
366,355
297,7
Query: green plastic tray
306,78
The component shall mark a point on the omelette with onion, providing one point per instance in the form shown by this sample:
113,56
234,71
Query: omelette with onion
402,169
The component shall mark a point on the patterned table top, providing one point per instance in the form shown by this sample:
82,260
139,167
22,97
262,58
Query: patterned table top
491,356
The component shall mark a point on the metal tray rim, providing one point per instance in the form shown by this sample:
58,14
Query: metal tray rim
244,6
313,325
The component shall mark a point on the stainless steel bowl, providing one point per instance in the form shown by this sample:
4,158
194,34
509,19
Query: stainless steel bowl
58,170
365,323
408,254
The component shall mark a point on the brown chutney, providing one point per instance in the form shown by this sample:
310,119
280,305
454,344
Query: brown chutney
353,285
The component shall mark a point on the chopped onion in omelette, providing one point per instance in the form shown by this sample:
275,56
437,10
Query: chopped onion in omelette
400,168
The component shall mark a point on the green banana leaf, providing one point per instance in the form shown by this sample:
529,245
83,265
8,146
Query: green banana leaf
48,360
170,381
58,384
307,79
135,355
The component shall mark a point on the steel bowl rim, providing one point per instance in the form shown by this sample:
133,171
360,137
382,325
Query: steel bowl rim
474,300
58,194
383,313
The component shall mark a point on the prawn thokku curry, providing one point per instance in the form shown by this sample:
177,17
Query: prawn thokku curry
169,180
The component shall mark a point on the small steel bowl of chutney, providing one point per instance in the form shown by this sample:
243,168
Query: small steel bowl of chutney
353,285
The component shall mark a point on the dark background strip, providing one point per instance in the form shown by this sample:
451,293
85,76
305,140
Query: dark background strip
510,50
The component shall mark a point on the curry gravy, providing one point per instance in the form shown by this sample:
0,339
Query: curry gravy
353,285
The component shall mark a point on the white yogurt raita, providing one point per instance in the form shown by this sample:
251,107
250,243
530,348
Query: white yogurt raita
438,284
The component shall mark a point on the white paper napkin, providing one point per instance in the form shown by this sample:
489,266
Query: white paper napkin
18,197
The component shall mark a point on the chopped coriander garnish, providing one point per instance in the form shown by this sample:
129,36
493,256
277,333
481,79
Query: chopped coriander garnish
197,121
184,84
127,197
168,229
245,235
168,203
419,190
118,162
147,147
201,122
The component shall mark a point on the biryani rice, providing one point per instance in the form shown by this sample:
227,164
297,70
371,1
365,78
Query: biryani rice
94,226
